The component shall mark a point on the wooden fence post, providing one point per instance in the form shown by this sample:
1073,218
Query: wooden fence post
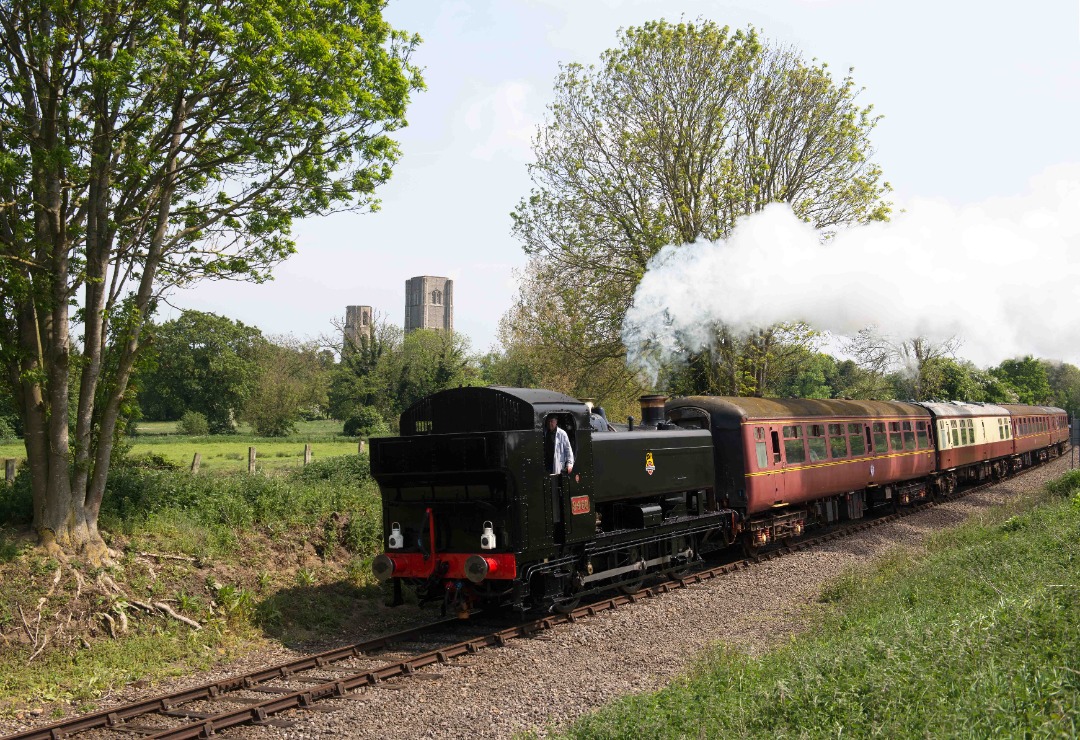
195,462
9,469
251,459
307,453
360,448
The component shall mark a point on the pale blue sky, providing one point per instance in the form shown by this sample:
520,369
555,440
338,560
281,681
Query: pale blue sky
978,97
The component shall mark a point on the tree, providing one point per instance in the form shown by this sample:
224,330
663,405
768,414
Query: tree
429,361
1027,377
355,382
1064,380
145,145
914,362
200,362
291,380
681,129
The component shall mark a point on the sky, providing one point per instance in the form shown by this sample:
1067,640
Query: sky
980,100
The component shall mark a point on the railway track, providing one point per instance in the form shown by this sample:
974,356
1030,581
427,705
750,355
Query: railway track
259,696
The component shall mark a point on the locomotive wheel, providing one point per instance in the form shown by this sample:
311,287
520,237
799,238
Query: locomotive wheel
749,548
633,583
566,605
682,569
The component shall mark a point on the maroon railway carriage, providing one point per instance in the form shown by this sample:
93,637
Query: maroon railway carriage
787,461
974,441
1038,431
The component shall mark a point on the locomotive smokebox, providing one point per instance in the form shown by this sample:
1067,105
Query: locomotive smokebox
652,410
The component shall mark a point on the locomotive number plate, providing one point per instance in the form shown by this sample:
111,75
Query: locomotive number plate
579,505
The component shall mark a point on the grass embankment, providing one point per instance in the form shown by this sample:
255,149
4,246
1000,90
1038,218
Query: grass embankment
978,636
254,559
229,452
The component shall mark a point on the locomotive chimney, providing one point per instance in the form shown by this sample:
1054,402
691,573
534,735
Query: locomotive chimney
652,410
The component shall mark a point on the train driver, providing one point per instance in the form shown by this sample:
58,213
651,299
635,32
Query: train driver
563,456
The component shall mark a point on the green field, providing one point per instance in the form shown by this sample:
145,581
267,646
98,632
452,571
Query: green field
229,452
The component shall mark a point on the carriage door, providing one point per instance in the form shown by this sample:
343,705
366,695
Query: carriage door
772,483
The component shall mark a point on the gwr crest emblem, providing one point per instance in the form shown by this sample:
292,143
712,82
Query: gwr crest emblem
650,467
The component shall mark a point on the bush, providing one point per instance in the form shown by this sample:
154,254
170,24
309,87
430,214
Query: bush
17,499
1066,484
365,422
270,423
193,424
8,427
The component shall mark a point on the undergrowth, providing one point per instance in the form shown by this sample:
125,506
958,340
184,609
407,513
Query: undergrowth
247,557
977,636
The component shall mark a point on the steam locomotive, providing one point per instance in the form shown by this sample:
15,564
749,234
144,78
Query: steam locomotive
472,516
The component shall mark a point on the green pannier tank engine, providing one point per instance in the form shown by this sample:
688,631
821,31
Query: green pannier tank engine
474,514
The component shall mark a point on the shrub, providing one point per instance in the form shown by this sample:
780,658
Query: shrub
365,422
193,424
8,429
148,461
1065,484
17,499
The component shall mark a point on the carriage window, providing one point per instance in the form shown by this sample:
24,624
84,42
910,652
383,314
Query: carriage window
855,438
920,433
775,447
794,448
909,436
816,442
759,434
964,434
837,442
895,442
881,443
955,434
762,455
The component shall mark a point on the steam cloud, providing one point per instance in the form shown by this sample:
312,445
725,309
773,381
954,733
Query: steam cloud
1003,275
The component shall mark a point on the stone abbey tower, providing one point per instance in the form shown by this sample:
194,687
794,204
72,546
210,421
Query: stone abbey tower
357,324
429,303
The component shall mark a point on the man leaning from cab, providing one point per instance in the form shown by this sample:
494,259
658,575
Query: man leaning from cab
563,457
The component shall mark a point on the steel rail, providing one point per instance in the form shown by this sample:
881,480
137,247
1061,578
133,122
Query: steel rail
260,712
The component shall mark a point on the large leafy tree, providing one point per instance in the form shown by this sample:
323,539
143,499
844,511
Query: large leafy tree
291,383
1064,380
1026,376
151,143
681,129
200,362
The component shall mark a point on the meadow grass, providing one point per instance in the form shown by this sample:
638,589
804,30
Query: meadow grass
229,452
978,636
311,431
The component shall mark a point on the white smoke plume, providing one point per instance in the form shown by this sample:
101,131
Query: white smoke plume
1002,275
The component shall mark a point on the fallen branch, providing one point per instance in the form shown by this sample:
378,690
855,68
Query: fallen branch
142,605
40,648
164,556
162,606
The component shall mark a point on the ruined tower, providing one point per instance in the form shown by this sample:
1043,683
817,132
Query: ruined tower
429,303
357,325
